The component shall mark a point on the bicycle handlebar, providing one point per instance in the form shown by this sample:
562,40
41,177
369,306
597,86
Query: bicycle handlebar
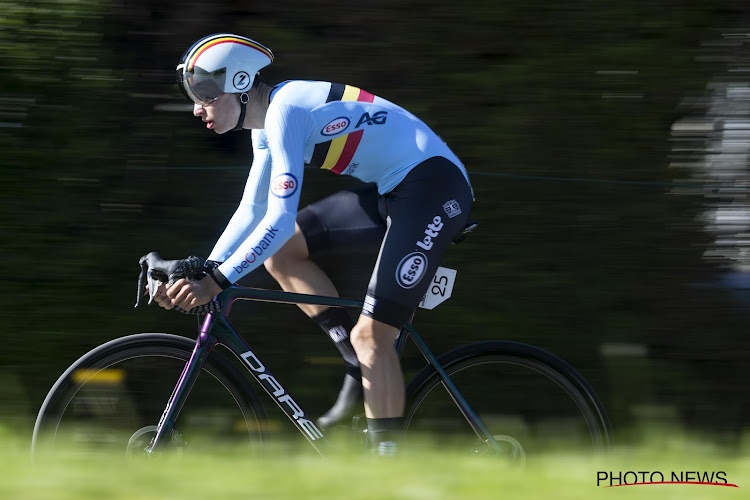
155,271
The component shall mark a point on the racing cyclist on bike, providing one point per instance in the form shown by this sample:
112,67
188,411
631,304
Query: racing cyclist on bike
415,200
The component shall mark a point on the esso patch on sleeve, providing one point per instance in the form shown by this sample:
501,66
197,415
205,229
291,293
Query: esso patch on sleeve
284,185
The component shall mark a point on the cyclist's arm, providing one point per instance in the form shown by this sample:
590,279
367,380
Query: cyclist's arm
287,130
253,205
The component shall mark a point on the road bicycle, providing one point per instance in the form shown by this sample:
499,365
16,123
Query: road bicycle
492,397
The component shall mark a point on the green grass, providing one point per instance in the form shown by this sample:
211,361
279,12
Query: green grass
291,471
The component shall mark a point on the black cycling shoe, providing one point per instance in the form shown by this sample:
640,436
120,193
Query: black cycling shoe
349,400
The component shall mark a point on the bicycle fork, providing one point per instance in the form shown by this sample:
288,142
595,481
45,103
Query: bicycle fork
185,384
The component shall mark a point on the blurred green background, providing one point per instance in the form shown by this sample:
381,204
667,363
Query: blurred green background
587,128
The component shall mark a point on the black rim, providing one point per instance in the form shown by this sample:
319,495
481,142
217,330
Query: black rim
57,404
590,410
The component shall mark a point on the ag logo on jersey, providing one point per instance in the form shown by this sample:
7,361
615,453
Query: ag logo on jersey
284,185
411,269
378,118
335,126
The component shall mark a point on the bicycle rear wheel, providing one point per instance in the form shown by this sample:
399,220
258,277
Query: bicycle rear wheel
529,399
123,386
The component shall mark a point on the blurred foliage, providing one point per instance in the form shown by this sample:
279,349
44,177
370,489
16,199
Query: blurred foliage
561,112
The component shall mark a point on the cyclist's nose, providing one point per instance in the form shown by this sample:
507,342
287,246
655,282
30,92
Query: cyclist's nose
198,109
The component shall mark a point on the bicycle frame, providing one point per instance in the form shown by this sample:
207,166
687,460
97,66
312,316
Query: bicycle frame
217,329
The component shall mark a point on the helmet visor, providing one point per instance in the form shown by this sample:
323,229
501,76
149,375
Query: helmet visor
201,86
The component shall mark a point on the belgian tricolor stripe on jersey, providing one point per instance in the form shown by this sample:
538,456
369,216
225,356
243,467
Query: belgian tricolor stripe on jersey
336,154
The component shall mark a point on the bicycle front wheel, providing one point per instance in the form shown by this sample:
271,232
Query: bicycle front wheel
119,390
529,399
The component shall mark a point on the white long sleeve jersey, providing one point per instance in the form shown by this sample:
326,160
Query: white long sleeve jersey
321,125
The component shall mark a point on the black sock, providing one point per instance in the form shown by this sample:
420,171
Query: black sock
337,324
384,433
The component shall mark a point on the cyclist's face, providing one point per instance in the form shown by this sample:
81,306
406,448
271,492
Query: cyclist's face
221,115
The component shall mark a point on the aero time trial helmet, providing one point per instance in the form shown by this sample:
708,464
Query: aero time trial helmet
220,64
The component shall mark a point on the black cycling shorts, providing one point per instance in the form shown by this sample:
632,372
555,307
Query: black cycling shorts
413,224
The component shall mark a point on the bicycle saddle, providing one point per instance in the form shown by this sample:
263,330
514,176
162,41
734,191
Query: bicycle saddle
470,226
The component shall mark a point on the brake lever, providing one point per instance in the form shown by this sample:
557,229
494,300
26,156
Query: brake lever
153,286
145,277
142,277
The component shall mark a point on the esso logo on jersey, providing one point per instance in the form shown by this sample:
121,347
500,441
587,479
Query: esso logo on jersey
284,185
335,126
411,269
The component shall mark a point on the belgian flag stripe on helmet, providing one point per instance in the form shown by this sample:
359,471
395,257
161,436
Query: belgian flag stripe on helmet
225,39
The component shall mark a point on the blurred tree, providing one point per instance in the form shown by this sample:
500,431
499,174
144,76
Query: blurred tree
561,112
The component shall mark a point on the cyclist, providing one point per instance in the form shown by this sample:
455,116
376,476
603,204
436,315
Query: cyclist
415,200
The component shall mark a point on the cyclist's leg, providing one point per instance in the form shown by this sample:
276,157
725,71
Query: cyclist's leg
344,221
424,213
383,381
295,272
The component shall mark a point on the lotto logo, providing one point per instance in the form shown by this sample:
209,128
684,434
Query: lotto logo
431,232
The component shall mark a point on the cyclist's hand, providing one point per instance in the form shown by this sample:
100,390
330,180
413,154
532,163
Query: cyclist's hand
161,296
189,294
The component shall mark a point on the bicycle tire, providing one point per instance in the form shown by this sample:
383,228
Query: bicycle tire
564,381
140,350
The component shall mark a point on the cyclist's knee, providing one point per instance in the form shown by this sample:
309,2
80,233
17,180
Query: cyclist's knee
361,340
274,264
369,336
